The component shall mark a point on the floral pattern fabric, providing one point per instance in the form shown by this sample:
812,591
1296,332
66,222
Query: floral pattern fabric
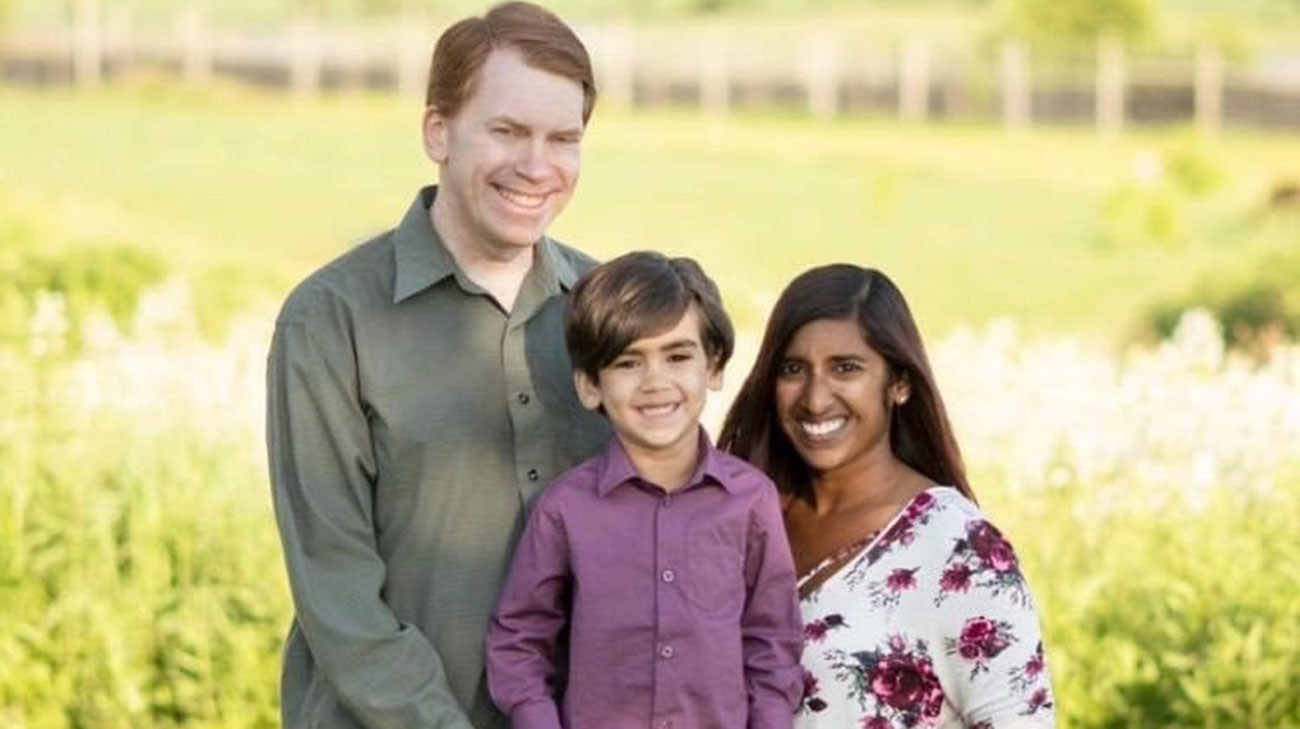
930,626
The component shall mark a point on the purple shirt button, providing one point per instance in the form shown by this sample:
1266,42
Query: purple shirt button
667,652
669,576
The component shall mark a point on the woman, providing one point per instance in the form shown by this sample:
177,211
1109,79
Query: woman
915,611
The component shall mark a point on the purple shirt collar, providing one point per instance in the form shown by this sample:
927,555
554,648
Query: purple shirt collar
617,469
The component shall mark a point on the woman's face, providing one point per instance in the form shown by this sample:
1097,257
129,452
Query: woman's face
834,396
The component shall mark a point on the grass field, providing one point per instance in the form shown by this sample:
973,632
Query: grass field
1152,491
252,193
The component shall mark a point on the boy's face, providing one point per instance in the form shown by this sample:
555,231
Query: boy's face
654,390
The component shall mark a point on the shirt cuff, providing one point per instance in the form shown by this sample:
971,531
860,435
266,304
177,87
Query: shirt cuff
772,714
537,714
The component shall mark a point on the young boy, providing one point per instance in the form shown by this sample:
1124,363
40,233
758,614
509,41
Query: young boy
665,559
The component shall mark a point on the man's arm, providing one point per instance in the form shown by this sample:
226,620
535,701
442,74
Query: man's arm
522,637
385,672
771,630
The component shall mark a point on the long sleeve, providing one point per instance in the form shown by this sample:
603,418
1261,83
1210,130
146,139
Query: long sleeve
770,626
523,635
385,672
994,668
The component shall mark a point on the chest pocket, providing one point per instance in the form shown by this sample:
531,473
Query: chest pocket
715,581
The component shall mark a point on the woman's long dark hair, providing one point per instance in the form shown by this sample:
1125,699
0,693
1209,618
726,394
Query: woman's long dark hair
919,432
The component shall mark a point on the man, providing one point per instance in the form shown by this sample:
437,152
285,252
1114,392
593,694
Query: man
420,394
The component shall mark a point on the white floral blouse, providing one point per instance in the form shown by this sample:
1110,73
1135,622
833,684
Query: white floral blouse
931,625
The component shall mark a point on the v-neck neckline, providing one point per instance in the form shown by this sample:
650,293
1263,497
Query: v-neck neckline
853,559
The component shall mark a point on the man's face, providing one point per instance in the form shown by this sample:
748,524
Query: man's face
509,159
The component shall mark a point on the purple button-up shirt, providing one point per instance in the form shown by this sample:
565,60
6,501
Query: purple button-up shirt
681,607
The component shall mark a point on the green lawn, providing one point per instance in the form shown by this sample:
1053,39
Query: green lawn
250,193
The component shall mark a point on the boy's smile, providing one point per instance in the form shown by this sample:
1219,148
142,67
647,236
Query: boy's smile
654,391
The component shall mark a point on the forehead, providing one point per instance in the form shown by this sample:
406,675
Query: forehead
507,86
686,329
823,338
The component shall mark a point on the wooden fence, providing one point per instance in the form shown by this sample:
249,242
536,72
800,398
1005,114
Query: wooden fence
717,69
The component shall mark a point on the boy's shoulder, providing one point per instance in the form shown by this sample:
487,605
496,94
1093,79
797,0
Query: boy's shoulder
744,478
579,481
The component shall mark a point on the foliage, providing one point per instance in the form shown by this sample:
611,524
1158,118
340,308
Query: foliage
1149,208
1079,23
1259,304
136,532
87,278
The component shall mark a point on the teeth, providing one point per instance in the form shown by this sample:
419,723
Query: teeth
655,410
522,199
824,428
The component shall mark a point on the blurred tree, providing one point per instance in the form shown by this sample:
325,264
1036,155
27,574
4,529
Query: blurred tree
1078,23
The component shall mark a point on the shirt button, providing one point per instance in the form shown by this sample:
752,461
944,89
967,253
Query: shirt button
667,652
664,724
523,398
669,576
533,475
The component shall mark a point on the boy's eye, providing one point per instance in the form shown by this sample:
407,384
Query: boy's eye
681,357
623,364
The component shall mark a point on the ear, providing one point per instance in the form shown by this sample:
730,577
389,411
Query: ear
715,377
435,135
588,391
900,390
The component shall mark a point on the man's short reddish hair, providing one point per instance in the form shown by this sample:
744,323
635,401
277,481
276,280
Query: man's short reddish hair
545,42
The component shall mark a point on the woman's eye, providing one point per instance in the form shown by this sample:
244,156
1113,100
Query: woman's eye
788,369
847,367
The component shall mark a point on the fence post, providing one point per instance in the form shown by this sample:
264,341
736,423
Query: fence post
304,57
1209,89
914,80
414,53
821,76
715,72
196,46
87,43
119,46
1016,100
1110,86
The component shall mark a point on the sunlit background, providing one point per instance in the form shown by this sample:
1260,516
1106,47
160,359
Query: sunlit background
1092,205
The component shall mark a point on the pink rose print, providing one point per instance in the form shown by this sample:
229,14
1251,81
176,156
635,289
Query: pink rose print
815,631
981,640
1041,699
992,549
955,579
810,691
901,579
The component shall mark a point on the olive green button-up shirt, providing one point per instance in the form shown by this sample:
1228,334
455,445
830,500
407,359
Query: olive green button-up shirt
410,421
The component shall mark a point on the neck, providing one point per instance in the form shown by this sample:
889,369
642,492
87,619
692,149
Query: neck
876,483
669,468
499,269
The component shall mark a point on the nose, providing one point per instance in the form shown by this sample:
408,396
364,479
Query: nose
816,396
653,376
533,163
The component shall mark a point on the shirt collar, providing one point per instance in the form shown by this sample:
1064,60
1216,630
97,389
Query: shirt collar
422,259
616,468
